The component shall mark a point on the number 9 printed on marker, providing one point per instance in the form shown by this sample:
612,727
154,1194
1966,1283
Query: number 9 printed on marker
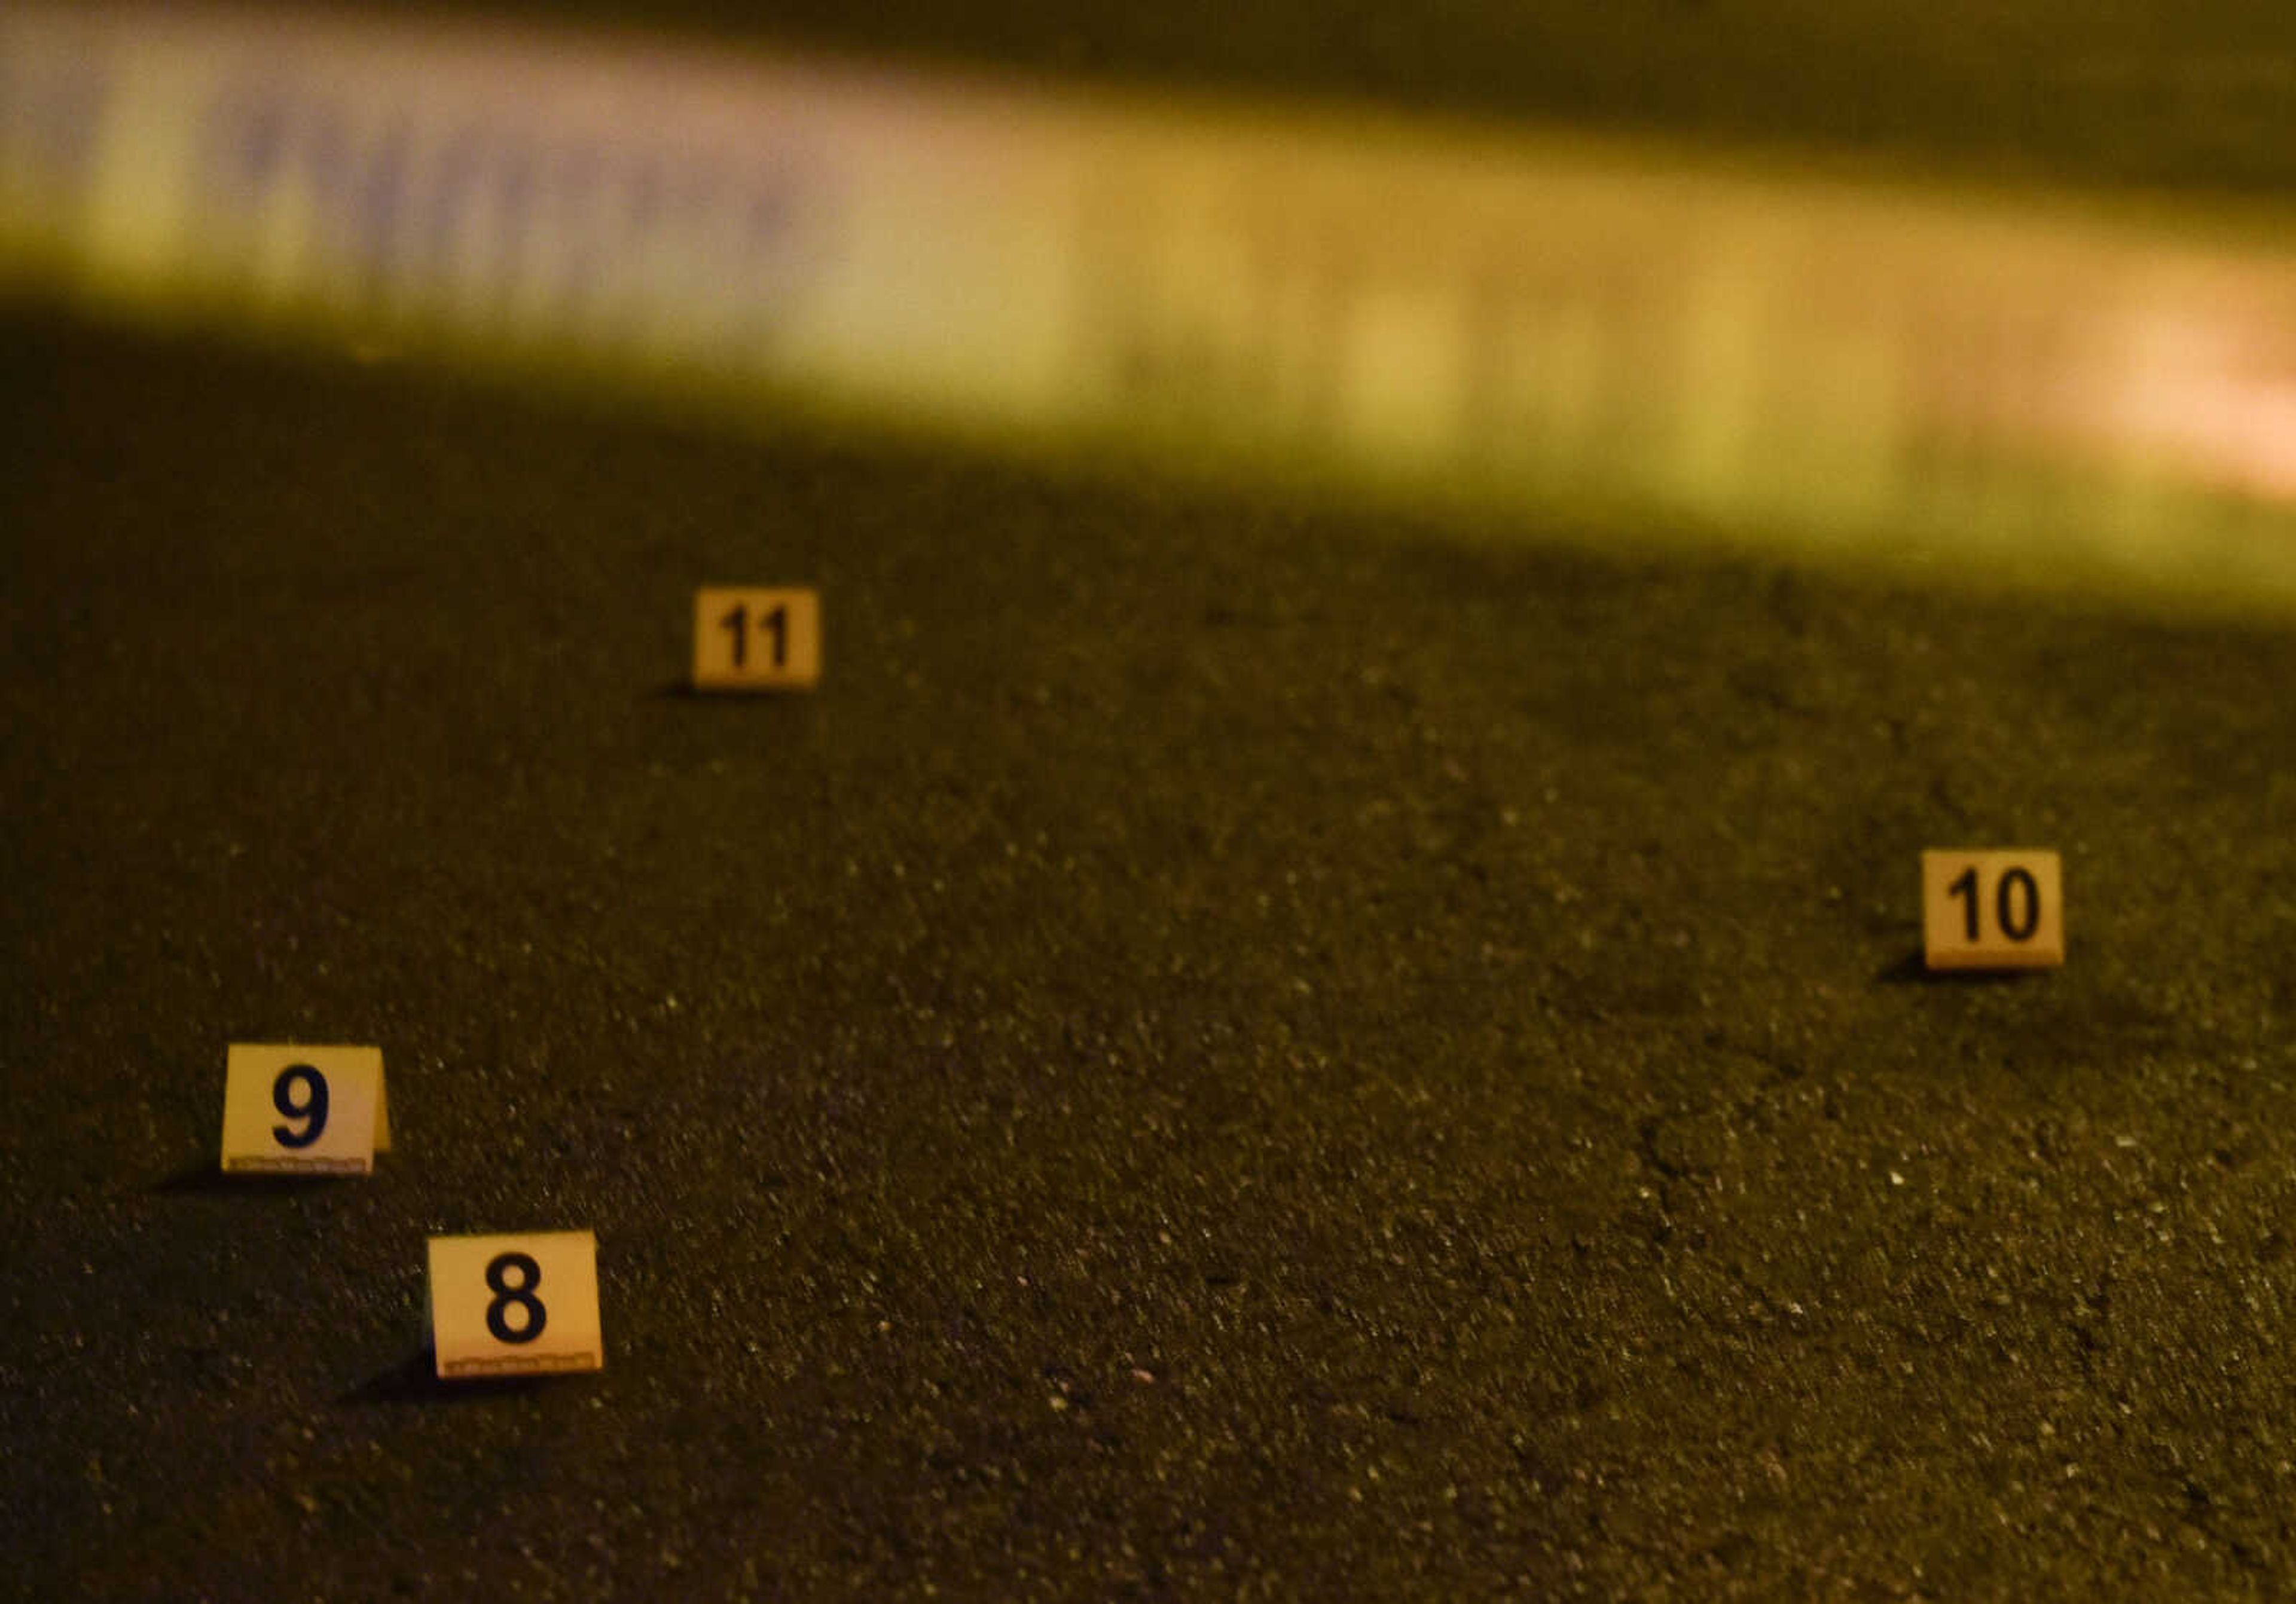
290,1110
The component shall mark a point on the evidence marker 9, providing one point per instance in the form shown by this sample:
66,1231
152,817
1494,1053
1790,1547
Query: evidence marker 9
303,1110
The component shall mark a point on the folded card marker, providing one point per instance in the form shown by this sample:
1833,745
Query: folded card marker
290,1110
521,1304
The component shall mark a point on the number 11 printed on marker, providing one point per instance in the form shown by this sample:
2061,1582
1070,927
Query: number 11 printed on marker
756,639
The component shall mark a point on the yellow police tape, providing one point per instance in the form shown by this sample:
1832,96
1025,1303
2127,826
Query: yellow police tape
1521,333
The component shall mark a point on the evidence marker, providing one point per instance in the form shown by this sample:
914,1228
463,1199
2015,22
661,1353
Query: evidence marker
522,1304
292,1110
1993,910
746,639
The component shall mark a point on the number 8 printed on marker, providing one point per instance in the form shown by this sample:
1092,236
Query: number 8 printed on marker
487,1313
522,1296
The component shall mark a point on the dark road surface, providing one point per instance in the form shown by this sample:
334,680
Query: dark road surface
1226,1052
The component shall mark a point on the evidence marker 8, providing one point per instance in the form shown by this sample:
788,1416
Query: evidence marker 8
519,1305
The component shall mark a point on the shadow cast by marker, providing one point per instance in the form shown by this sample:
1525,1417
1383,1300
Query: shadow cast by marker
687,690
208,1178
1913,969
416,1380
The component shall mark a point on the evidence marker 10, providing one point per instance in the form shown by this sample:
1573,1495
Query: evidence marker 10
1999,909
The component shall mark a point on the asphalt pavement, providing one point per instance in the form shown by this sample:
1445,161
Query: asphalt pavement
1228,1050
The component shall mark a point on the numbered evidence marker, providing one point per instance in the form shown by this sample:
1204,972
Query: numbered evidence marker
1992,910
515,1305
303,1110
756,639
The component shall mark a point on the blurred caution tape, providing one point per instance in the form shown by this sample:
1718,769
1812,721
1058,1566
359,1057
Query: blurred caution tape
1518,332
